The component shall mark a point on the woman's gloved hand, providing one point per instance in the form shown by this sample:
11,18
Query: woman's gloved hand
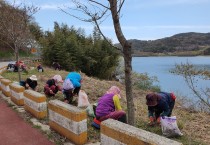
158,120
151,121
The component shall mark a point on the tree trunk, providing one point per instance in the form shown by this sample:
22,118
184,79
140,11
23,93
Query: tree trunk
127,59
128,85
17,60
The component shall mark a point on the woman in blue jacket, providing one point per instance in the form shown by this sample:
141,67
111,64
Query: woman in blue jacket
71,86
159,105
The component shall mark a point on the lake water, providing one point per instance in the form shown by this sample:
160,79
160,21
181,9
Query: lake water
160,67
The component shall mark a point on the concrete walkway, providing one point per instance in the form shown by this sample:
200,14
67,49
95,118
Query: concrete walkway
15,131
2,64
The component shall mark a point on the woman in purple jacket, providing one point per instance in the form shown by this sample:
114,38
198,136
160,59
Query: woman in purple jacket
109,106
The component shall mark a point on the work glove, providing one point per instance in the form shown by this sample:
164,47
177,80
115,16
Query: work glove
158,120
151,121
51,92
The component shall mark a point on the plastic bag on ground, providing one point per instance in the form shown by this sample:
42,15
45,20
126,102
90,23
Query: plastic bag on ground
83,99
90,111
169,127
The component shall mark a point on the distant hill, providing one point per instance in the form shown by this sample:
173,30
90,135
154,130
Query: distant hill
180,44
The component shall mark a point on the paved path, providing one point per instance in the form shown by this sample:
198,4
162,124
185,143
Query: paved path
2,64
14,130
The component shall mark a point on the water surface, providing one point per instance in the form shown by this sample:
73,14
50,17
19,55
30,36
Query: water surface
160,67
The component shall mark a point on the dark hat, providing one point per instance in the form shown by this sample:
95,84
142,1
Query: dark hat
152,99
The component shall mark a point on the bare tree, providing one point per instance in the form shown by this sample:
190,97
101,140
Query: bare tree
14,30
191,74
96,12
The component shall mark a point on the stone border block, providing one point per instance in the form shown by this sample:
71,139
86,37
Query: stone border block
3,69
114,132
0,81
68,120
35,103
5,87
16,92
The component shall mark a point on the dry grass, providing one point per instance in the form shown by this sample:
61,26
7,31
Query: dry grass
194,126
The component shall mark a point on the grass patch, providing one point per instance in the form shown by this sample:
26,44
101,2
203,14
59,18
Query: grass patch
93,133
50,135
58,142
8,54
10,105
37,126
185,140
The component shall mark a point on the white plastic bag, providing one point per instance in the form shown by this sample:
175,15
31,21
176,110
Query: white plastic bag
83,99
169,127
90,111
40,70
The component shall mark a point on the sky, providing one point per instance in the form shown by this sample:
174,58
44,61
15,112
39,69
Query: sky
140,19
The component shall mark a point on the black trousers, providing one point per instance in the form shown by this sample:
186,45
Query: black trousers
68,94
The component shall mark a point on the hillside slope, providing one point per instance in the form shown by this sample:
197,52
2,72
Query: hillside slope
194,125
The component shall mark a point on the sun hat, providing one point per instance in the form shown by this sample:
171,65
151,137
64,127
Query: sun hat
152,99
33,77
58,78
114,90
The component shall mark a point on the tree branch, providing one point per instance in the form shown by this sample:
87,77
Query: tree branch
94,16
99,4
7,44
120,6
104,36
